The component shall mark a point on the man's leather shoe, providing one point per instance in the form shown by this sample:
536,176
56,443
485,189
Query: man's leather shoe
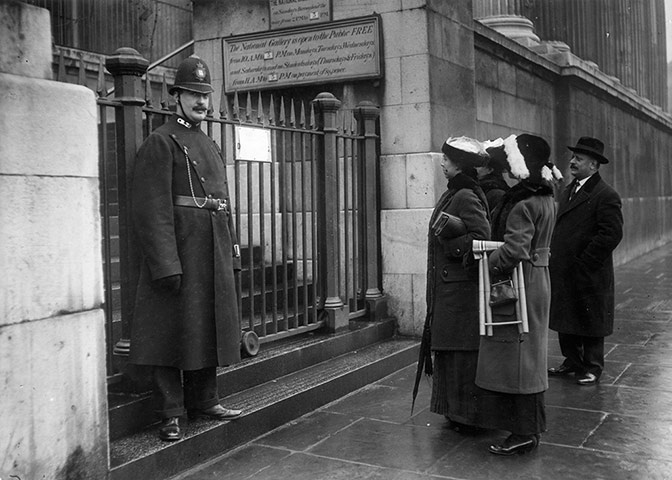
216,412
587,379
561,370
169,430
516,444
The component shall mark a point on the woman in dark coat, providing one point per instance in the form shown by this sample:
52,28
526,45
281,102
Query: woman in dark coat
511,365
452,284
491,175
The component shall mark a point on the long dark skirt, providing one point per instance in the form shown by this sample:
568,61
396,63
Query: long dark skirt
515,413
454,393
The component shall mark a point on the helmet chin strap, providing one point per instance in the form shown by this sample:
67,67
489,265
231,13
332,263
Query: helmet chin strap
181,111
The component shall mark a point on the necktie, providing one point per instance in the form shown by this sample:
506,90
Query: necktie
574,190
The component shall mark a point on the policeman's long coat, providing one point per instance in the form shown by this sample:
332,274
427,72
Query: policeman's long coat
510,362
198,327
588,229
452,289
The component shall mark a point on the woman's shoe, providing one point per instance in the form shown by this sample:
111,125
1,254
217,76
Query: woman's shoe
516,444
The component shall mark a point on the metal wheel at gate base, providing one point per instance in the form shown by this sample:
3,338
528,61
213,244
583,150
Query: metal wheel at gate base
250,343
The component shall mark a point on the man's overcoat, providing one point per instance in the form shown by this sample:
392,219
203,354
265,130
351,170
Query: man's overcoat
588,229
508,361
197,327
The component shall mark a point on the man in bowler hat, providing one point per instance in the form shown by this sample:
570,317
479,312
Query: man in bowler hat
588,227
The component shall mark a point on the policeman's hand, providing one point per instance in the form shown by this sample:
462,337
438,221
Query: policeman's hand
170,284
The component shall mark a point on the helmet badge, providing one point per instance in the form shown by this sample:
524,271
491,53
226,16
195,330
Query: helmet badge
200,71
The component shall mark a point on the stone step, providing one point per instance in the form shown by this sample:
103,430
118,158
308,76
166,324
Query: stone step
266,406
129,413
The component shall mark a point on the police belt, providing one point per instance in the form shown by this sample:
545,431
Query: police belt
200,202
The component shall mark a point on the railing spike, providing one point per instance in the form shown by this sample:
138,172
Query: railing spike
271,111
248,108
148,92
81,77
224,106
164,93
61,67
302,120
101,87
292,114
313,124
236,106
282,111
260,110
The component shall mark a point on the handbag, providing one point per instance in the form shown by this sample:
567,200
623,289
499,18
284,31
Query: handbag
502,293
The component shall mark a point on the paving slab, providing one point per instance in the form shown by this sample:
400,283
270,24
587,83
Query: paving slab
619,429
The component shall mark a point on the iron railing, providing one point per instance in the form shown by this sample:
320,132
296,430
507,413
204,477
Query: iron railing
307,217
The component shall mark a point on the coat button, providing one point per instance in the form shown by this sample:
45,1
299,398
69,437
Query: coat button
202,179
214,212
535,257
210,196
445,271
458,251
194,162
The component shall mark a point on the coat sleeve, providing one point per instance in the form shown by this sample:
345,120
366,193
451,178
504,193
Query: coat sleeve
608,231
518,237
471,211
153,206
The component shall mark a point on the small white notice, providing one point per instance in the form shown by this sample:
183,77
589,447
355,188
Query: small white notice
253,144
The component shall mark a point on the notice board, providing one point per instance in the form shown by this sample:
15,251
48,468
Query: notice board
332,52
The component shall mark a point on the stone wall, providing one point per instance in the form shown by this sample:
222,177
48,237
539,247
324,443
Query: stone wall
447,75
53,407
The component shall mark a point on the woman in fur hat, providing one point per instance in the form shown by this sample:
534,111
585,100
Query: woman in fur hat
491,175
511,365
451,326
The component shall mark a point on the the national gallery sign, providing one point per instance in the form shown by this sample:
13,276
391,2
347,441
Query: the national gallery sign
332,52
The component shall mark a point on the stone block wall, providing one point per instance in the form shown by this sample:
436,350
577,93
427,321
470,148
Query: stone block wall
53,407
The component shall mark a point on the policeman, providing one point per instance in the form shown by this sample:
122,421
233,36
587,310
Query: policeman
185,322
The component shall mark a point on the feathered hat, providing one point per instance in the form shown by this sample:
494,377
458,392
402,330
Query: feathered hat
465,151
528,158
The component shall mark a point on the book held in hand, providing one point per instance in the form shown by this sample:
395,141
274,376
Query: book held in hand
449,226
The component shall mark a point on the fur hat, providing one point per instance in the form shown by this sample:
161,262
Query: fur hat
465,152
590,146
528,159
497,156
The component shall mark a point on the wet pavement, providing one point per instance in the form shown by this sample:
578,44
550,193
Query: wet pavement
618,429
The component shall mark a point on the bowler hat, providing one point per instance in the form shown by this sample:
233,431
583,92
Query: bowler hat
591,146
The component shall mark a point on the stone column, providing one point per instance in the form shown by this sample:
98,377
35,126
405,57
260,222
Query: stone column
53,406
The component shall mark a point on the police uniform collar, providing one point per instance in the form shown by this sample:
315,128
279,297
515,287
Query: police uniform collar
184,122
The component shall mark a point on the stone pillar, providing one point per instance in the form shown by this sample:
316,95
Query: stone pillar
429,95
53,406
327,214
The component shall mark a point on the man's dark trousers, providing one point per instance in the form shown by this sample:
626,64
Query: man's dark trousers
199,391
584,354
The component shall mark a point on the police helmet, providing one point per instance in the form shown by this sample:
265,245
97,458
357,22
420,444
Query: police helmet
193,75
